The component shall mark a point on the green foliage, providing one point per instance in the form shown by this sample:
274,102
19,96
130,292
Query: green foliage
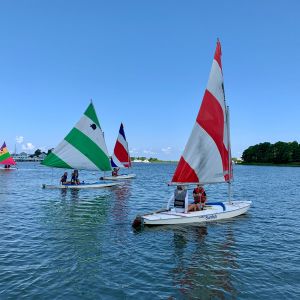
37,152
153,159
278,153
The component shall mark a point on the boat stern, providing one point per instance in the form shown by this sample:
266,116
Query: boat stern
138,222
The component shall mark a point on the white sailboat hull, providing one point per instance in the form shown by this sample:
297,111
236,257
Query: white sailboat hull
95,185
119,177
210,213
7,169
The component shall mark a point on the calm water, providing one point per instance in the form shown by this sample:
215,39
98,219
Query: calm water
80,244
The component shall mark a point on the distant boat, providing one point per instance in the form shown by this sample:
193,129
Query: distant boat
6,160
206,159
120,157
83,148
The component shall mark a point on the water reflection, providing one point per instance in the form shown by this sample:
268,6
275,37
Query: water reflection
63,193
201,265
74,219
74,194
120,208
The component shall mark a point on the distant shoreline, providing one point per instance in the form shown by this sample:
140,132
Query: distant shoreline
156,161
270,164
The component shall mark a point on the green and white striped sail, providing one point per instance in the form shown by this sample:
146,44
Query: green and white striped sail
83,148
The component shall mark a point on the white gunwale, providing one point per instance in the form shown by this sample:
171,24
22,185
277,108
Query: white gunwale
95,185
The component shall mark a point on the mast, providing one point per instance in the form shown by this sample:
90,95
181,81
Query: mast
229,153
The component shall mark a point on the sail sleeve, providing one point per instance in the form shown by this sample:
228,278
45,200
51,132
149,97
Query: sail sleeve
5,157
121,156
83,148
206,156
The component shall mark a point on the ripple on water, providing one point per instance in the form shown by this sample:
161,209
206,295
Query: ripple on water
80,244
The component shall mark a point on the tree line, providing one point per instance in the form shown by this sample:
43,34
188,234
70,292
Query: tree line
278,153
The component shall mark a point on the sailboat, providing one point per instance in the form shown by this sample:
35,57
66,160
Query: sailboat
206,159
83,148
6,159
120,157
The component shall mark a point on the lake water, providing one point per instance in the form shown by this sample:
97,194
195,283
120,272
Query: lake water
80,244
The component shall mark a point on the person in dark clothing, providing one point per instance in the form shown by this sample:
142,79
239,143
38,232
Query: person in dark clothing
74,179
63,179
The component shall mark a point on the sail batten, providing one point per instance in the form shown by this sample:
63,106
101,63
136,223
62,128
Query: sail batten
206,155
5,157
121,157
84,146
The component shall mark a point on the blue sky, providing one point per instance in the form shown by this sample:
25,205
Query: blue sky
146,63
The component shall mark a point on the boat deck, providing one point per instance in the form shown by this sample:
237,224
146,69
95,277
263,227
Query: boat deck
210,213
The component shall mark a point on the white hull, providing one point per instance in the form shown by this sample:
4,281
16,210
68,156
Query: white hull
7,169
210,213
80,186
119,177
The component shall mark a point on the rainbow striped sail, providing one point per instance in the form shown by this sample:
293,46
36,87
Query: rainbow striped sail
5,157
121,157
83,148
206,157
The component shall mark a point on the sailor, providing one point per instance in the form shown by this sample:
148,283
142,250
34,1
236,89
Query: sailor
180,198
199,198
63,179
74,179
115,171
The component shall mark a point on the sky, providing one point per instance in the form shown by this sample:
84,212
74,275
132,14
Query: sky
146,63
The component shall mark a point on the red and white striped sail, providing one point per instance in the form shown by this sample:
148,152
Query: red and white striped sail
121,157
206,157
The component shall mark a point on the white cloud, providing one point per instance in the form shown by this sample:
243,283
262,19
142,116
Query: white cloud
19,139
149,152
28,146
166,150
133,151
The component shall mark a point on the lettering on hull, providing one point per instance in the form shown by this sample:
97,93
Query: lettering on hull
211,217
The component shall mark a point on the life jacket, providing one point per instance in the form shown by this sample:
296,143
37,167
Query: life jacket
179,200
179,203
64,178
202,196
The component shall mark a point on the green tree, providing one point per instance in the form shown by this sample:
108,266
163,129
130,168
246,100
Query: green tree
278,153
37,152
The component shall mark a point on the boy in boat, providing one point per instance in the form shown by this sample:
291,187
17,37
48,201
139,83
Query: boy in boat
199,198
74,179
115,171
63,179
180,198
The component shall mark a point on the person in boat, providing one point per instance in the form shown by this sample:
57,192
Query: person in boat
115,171
63,179
74,178
199,199
180,197
6,166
